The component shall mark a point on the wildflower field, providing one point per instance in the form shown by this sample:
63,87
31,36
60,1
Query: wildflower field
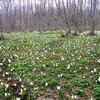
36,66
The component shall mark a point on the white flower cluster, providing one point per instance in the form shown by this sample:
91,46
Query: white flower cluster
74,97
60,75
1,64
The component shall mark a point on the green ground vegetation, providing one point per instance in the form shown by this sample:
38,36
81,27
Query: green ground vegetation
47,66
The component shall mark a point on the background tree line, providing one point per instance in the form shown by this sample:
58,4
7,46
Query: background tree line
43,15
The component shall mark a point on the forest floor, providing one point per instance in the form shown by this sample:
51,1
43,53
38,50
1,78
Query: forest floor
37,66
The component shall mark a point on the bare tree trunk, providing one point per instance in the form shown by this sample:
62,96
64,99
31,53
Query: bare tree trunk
92,17
75,21
0,24
42,15
80,2
66,16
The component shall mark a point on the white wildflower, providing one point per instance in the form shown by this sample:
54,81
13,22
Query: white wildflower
99,79
17,98
92,98
44,66
68,67
7,73
92,71
41,72
99,61
45,51
21,90
62,58
35,88
53,53
72,54
16,56
11,69
4,60
95,69
60,75
74,96
31,83
8,64
15,84
34,69
41,55
6,94
69,57
58,87
46,84
44,57
3,75
80,56
6,85
2,83
22,86
9,78
1,64
37,57
94,44
84,77
20,80
9,60
74,71
56,64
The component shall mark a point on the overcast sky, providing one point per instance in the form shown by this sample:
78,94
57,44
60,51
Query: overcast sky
24,2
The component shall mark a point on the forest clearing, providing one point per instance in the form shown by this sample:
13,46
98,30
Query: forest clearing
49,49
40,66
